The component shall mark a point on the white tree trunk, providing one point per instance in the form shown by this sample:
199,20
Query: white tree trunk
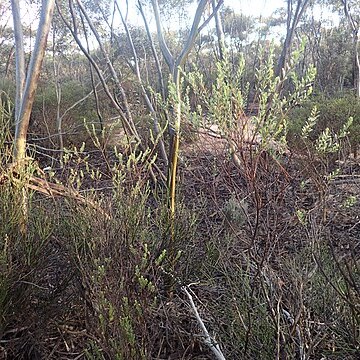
26,98
357,60
20,59
25,90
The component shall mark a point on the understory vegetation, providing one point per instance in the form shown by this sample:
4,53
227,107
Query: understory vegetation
260,257
267,246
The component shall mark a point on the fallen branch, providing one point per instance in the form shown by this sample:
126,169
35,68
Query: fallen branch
209,341
292,321
47,188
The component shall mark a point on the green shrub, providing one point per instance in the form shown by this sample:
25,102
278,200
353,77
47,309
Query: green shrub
125,265
22,255
126,258
333,113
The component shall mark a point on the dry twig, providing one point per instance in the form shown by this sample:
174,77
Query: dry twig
209,341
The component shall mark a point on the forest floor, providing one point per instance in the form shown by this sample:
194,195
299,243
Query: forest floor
55,320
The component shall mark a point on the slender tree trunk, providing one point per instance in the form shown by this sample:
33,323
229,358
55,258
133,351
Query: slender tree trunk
25,102
58,92
111,68
20,59
156,124
153,50
357,55
219,32
25,90
354,26
175,64
293,18
178,63
124,112
92,78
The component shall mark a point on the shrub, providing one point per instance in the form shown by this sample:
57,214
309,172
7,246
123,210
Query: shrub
333,113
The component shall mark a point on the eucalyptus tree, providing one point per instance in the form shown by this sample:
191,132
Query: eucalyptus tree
102,26
219,31
352,13
329,48
295,9
26,85
349,10
175,64
238,28
27,81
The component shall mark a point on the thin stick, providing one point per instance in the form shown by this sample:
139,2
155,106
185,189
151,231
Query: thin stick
209,341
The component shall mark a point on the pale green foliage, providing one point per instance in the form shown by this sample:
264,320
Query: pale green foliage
327,143
225,103
350,201
74,159
271,123
301,215
310,123
235,212
340,114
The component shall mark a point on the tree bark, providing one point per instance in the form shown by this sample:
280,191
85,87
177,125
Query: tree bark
354,26
25,102
292,22
26,89
219,32
20,59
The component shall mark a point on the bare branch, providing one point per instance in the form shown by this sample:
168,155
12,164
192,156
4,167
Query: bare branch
215,10
157,61
169,58
156,124
209,341
193,33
